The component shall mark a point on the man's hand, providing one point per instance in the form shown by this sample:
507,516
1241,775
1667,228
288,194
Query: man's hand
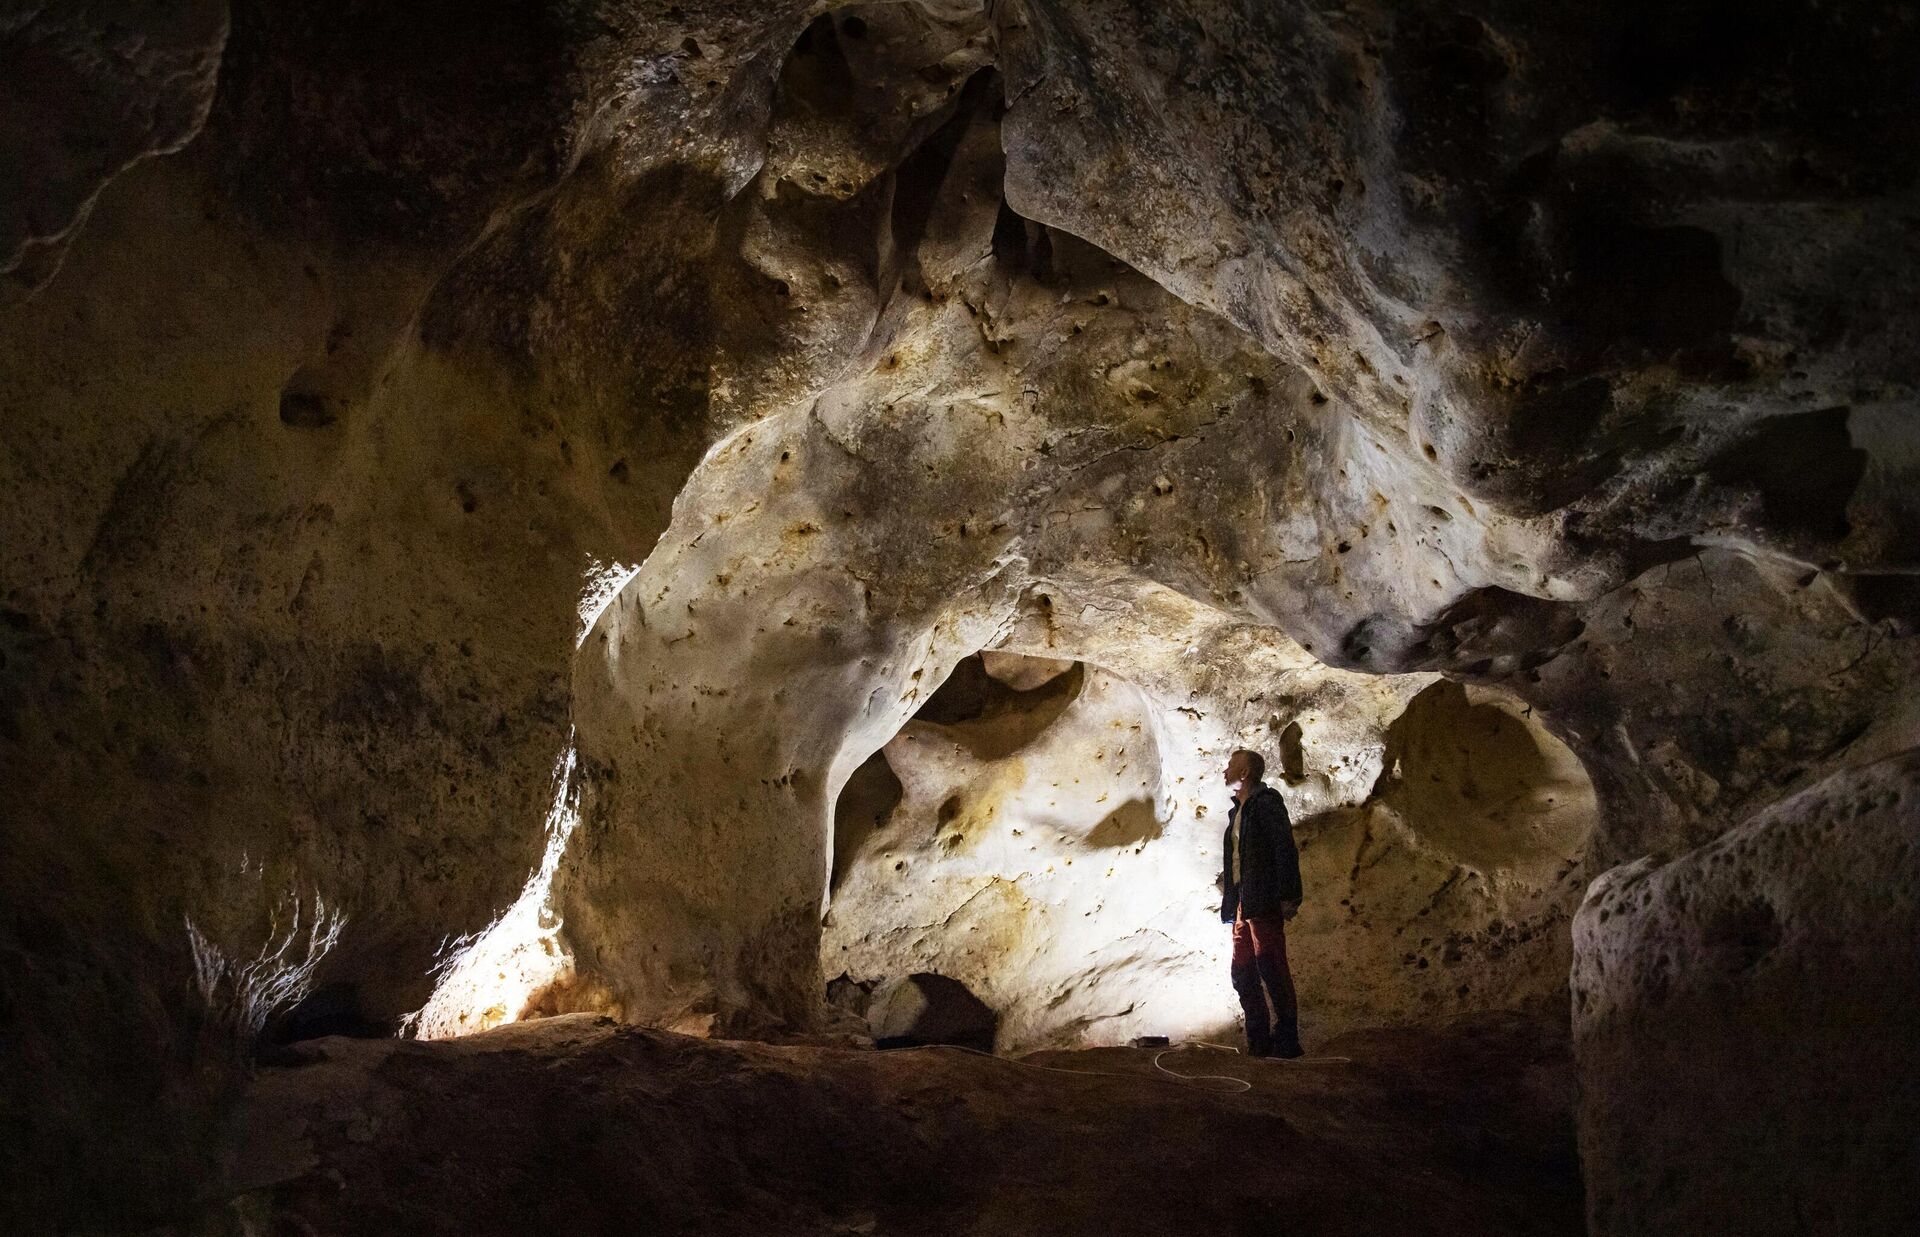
1288,910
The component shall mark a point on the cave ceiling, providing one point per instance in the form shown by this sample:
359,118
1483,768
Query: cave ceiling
400,398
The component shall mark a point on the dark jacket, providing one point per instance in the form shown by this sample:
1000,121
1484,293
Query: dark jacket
1269,862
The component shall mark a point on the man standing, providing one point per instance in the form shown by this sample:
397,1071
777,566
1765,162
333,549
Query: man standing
1260,887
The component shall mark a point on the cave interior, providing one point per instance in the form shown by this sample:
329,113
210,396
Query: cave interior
626,617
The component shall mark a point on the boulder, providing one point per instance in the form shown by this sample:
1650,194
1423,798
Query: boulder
1745,1019
929,1009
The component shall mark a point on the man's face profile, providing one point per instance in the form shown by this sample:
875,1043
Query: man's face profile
1236,772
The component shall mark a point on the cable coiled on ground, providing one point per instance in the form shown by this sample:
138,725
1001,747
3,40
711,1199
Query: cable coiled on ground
1236,1086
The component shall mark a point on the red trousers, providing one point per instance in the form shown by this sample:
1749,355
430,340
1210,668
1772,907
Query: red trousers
1261,977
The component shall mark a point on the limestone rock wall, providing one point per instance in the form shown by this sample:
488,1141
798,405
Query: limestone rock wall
1210,345
1451,885
106,85
1744,1018
292,567
1041,853
1058,851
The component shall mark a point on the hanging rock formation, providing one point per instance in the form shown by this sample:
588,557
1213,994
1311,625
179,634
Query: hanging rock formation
1502,416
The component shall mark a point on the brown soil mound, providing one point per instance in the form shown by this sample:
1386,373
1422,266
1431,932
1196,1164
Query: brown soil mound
581,1125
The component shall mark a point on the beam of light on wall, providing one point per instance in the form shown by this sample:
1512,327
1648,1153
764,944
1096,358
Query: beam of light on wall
1047,846
486,980
600,584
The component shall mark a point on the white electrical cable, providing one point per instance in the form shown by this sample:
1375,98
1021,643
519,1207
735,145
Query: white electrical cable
1241,1083
1236,1087
1244,1084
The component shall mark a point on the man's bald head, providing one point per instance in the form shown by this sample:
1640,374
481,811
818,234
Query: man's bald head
1244,771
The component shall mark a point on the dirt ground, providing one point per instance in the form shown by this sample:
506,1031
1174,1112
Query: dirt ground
580,1125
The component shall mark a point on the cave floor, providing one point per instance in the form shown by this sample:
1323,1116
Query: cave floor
580,1125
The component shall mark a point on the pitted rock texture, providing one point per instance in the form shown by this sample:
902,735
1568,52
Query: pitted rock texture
1783,955
1212,345
1058,850
1505,237
1399,511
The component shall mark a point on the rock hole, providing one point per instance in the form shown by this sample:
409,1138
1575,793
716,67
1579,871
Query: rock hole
303,406
1293,757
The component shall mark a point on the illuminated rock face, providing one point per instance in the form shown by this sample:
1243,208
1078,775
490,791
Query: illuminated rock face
1047,850
1449,888
1263,361
1041,853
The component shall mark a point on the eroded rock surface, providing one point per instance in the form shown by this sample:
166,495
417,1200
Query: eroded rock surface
1404,461
91,90
1783,955
1058,850
1262,358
